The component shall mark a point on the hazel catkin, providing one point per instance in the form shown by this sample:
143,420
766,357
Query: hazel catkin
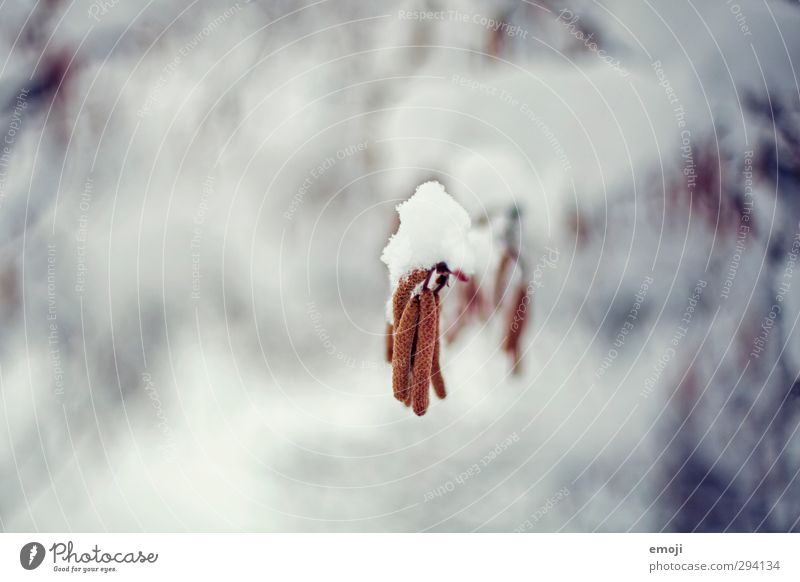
403,292
517,320
403,345
437,380
423,353
389,342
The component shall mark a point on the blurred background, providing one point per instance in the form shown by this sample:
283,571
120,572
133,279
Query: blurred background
194,197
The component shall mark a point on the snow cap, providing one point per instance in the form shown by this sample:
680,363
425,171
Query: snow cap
433,228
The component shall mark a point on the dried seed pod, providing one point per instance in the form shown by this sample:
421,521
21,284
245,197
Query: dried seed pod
403,292
518,317
437,380
502,276
404,335
389,342
423,353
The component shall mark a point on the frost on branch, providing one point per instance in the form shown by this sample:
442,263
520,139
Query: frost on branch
430,245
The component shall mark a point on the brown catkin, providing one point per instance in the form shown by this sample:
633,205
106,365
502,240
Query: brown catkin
518,317
403,292
436,370
403,345
476,300
389,342
423,354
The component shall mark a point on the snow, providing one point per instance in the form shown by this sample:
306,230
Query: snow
433,228
481,239
273,383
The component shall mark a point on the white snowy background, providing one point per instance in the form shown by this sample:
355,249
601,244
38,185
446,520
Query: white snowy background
194,197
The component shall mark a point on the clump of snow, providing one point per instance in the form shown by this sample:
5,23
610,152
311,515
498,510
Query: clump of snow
433,228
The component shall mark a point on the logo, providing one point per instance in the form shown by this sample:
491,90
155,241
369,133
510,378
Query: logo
31,555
